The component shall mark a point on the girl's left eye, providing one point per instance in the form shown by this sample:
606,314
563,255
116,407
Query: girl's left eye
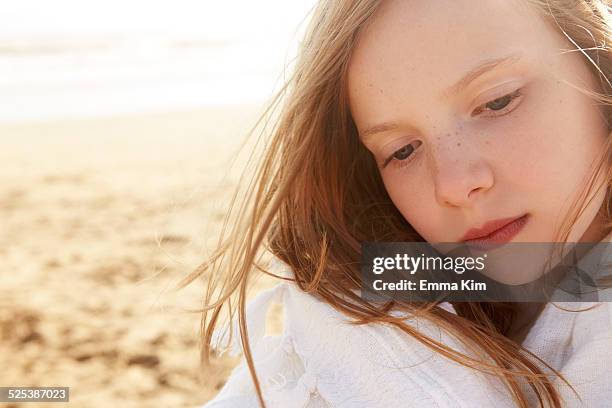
499,106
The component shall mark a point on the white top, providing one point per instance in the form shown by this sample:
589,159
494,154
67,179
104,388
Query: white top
321,361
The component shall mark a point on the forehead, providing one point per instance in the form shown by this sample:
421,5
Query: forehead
412,50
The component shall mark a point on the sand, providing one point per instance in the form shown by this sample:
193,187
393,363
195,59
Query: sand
100,218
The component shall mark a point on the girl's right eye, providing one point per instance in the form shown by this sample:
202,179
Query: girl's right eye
401,155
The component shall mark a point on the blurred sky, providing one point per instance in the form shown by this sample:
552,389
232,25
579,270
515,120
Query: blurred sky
74,58
223,20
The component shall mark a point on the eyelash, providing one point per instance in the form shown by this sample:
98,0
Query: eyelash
513,96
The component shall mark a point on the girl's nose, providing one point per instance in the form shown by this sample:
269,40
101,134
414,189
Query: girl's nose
461,175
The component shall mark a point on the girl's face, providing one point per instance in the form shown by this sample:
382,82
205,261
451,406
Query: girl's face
471,115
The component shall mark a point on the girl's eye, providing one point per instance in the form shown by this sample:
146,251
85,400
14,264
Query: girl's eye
401,155
499,106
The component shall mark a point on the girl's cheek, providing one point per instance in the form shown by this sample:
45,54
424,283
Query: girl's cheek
406,191
394,188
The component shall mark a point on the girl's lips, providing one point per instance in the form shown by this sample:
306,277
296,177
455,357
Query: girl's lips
499,236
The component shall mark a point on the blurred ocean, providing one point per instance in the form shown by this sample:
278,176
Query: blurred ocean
69,61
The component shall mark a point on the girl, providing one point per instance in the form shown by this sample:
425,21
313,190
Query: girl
411,120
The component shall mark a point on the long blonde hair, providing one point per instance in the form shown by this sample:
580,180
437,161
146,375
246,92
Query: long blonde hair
316,195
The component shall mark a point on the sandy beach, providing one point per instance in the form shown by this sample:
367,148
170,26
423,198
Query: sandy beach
100,219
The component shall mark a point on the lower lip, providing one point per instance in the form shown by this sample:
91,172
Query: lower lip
500,237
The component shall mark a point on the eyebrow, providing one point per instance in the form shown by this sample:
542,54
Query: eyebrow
473,74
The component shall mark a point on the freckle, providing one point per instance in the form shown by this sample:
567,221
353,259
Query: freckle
458,144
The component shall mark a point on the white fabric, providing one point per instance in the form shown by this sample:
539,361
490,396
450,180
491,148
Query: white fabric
321,361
